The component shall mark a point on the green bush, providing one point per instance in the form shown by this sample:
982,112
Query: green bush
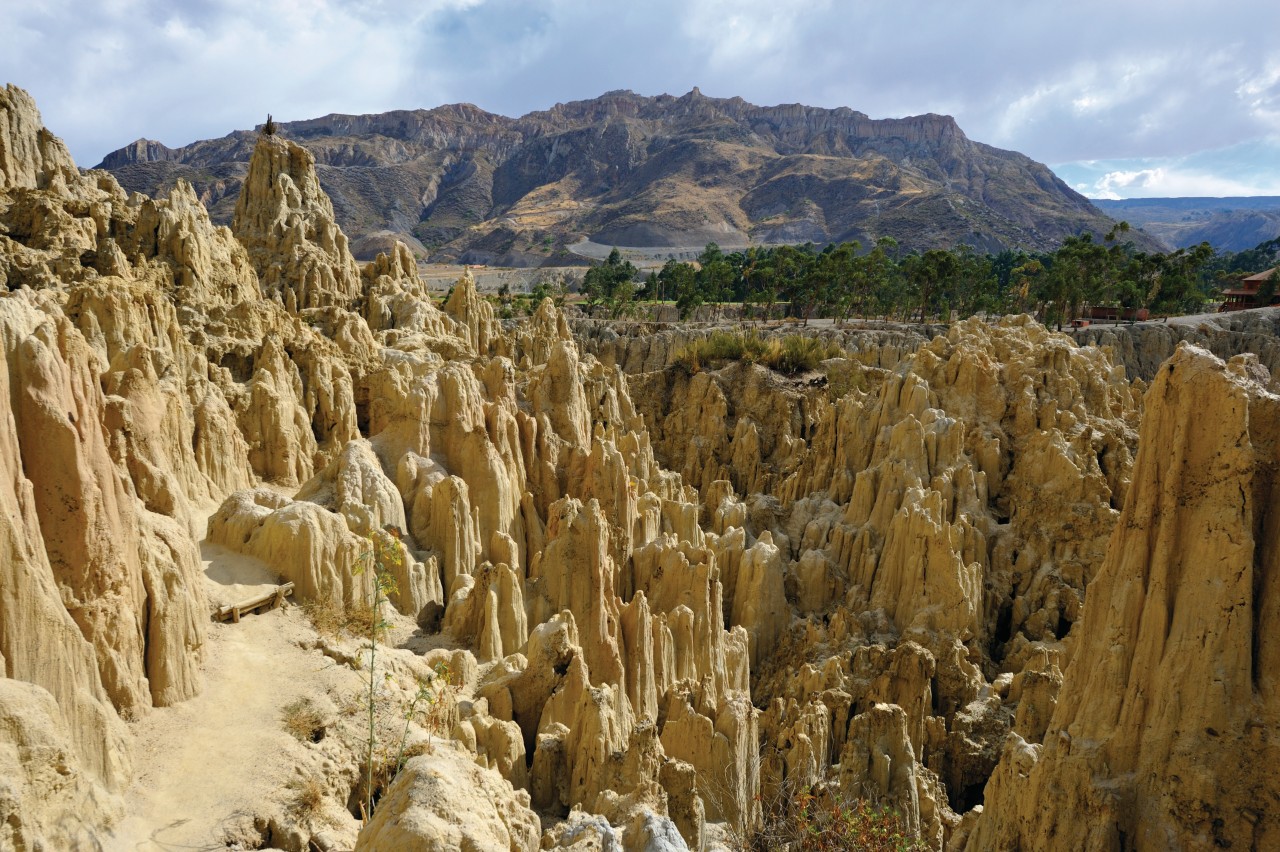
799,354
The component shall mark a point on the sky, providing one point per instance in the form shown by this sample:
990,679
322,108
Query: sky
1123,98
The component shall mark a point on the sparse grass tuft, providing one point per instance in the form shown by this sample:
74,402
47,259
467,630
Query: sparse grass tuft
303,720
362,618
328,617
331,618
844,381
307,797
798,353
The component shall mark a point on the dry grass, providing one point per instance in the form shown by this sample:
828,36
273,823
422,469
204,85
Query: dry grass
798,353
331,618
829,822
361,619
303,720
792,354
307,797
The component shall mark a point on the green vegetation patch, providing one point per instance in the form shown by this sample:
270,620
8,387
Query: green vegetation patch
792,354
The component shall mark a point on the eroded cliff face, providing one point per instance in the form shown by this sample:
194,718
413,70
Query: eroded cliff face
160,371
1142,348
928,538
666,602
1162,735
872,343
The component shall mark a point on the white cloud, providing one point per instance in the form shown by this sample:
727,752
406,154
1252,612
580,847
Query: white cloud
1112,182
1244,169
1092,80
1173,178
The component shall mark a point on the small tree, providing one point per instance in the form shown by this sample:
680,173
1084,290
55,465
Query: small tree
384,554
549,286
611,285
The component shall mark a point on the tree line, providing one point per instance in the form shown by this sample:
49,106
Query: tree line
845,280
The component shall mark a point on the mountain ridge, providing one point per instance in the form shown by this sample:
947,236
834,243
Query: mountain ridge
463,184
1227,223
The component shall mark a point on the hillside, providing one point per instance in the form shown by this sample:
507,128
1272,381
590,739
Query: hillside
460,183
1228,224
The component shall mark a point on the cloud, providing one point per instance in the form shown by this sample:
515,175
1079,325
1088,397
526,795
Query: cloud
1060,82
105,74
1239,170
1108,185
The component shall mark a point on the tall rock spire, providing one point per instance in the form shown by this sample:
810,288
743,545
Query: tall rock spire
1163,733
286,222
30,156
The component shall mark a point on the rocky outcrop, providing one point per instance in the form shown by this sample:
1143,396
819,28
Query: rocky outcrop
286,222
1143,347
138,151
103,612
446,802
639,348
48,797
899,530
645,599
1159,736
30,156
210,267
63,662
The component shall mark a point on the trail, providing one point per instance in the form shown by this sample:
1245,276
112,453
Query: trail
205,768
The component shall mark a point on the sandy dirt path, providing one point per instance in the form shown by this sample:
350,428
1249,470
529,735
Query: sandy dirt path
205,767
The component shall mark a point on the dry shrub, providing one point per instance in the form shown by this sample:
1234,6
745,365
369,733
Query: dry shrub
362,619
306,797
830,822
794,353
303,720
328,617
798,353
331,618
845,379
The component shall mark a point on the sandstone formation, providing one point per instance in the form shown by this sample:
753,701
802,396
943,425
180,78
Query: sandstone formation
286,223
871,343
449,804
628,605
1161,734
1143,347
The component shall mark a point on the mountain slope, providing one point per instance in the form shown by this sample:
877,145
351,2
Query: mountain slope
1228,224
659,172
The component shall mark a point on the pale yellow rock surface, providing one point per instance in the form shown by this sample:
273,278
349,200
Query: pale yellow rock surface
1159,737
917,516
286,223
636,609
444,802
47,797
30,156
40,643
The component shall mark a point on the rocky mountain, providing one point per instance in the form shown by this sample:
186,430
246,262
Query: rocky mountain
1227,224
660,172
554,589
